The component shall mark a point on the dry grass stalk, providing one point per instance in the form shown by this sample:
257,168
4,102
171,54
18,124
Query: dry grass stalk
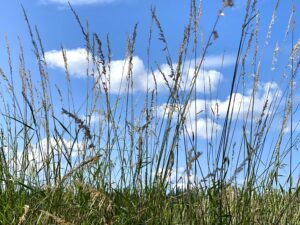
57,219
91,160
79,122
22,219
272,22
98,197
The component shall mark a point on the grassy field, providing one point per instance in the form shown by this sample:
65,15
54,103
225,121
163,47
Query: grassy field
126,164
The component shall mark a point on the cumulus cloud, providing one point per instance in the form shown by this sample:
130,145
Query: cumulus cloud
119,71
80,2
206,79
241,103
76,59
266,92
217,61
207,127
77,65
93,118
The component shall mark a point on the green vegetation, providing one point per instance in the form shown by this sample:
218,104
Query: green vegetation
58,167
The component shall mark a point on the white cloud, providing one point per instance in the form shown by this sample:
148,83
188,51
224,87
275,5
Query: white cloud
207,127
206,80
93,118
80,2
76,59
217,61
164,109
77,64
267,91
119,71
242,102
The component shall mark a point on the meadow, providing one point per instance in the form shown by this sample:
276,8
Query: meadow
122,157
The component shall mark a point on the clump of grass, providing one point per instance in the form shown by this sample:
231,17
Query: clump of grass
142,163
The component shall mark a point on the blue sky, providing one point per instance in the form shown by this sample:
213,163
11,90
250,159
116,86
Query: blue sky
117,18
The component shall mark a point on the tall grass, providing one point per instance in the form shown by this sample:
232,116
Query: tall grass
131,160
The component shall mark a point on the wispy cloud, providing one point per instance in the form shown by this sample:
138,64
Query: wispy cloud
207,79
